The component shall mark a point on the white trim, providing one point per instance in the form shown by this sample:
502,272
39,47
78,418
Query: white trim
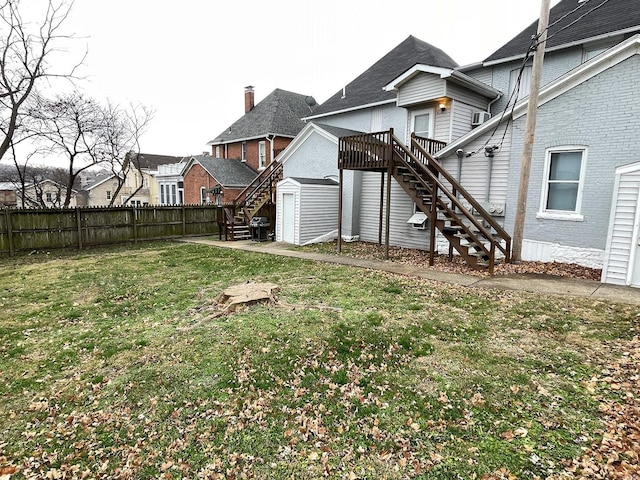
351,109
630,168
612,222
545,213
262,155
444,73
299,140
633,250
412,121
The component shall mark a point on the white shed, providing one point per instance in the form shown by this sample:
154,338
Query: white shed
622,255
306,210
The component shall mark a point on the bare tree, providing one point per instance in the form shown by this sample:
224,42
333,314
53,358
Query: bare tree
25,49
87,134
124,127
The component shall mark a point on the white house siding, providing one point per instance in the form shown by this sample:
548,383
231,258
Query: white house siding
601,114
387,116
466,96
420,89
555,65
318,211
401,233
622,231
475,169
317,157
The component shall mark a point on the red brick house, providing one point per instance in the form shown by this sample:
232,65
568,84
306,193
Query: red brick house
203,173
265,129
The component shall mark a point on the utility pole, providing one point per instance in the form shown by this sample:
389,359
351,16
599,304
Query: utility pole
527,151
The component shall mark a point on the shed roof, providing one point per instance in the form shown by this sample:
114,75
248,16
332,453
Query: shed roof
314,181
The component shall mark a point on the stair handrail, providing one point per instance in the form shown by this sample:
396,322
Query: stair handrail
437,166
265,176
454,199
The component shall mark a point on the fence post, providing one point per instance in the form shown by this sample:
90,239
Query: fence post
79,225
184,221
135,223
7,213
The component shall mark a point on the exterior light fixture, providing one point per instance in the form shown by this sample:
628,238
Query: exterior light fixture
442,106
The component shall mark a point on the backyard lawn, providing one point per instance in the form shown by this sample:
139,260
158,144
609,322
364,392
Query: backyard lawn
119,363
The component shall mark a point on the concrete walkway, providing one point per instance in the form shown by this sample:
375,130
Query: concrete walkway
543,284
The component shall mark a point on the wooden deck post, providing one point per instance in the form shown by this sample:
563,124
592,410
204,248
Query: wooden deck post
380,220
340,213
388,206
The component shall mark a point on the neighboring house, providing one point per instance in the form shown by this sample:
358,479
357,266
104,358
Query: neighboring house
8,196
203,173
140,186
98,190
265,129
45,194
171,183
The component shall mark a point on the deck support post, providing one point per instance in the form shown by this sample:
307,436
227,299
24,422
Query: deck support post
381,219
388,206
340,212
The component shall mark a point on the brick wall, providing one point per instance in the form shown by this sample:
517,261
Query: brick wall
234,150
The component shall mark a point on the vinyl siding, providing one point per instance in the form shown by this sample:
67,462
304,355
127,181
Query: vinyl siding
401,233
318,211
624,212
466,96
421,89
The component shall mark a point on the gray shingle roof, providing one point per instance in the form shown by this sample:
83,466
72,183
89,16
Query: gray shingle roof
278,113
151,161
367,88
229,173
610,16
314,181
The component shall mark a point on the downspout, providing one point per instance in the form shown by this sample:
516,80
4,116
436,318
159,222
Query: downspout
492,102
271,150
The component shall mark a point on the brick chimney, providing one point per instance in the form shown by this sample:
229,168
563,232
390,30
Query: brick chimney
249,102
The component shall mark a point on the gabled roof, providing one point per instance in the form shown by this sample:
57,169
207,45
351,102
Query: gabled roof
367,88
228,173
279,113
594,19
99,179
151,161
329,132
449,74
554,89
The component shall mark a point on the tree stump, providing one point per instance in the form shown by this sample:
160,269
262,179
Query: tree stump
236,296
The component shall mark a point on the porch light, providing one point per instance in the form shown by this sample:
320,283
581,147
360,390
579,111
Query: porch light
442,106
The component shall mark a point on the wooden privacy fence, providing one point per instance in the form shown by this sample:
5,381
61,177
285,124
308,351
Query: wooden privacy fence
34,229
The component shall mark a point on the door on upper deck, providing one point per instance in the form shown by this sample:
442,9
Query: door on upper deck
422,123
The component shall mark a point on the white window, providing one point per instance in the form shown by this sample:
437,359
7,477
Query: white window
262,155
108,194
174,200
523,87
217,151
422,122
243,156
563,182
203,196
49,197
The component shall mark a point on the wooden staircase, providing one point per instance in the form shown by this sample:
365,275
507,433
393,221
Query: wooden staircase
468,227
257,197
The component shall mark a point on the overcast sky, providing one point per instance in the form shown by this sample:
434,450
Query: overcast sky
190,60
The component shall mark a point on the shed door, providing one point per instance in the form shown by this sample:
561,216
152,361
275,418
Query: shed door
288,217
